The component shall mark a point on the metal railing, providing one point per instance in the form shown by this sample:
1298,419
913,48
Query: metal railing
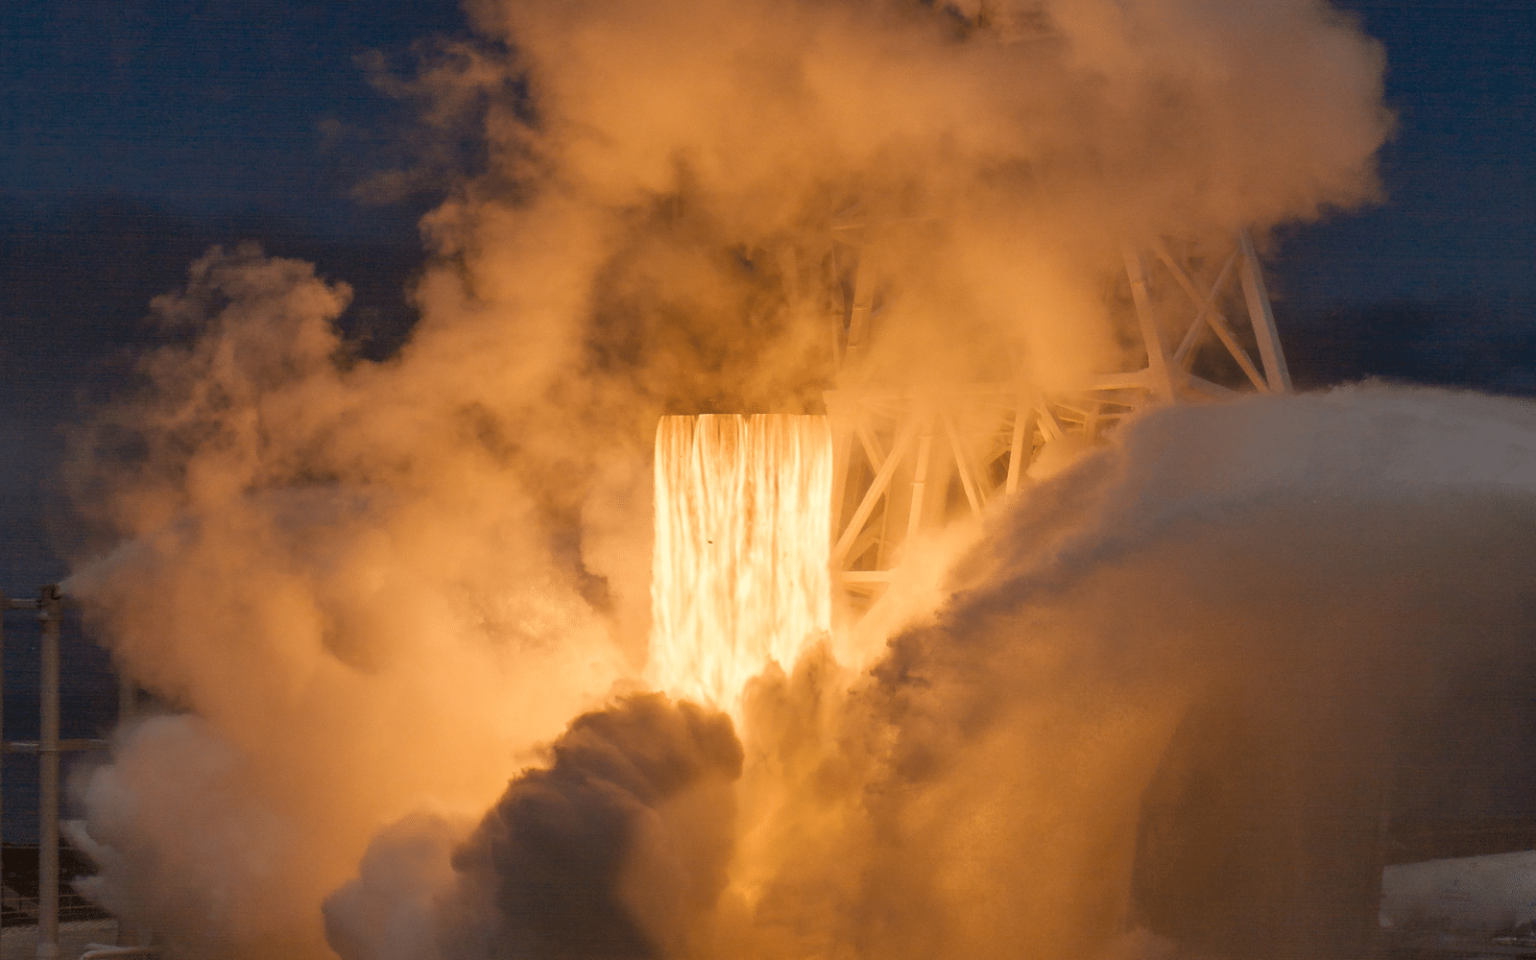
49,605
72,907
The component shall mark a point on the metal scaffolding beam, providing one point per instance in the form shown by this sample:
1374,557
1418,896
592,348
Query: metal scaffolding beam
892,481
49,606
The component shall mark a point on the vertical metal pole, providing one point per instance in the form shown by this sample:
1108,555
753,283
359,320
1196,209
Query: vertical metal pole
1263,318
49,612
920,476
1018,457
127,707
1158,366
863,304
5,604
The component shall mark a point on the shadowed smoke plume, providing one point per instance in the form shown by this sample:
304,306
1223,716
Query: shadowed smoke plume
607,853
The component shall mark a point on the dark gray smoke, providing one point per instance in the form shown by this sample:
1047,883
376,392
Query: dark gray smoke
611,852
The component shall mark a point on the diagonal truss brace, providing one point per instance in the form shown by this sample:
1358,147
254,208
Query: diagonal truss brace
992,432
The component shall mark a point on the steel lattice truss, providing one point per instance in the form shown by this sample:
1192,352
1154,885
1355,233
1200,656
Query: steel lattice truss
904,463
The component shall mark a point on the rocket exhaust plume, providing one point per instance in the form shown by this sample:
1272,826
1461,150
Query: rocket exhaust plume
377,591
743,529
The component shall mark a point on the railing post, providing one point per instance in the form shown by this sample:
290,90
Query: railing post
129,935
50,612
5,604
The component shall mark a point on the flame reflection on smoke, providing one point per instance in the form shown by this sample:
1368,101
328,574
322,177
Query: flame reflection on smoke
379,585
742,535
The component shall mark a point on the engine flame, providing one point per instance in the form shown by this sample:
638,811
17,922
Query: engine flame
743,526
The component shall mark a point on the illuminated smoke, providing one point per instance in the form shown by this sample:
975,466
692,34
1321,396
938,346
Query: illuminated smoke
376,588
743,531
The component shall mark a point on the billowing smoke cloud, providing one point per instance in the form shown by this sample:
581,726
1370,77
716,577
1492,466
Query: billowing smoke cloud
613,851
366,607
1238,638
1308,586
377,587
1248,615
678,152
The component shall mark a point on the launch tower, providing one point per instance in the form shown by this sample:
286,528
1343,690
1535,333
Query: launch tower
903,463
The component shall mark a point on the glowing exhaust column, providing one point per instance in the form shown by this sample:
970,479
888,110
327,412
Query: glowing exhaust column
743,528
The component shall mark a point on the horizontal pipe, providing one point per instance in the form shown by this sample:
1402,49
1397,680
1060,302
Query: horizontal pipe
33,746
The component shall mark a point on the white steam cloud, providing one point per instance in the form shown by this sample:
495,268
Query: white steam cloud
377,588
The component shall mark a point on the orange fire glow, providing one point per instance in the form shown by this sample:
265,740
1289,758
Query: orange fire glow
742,535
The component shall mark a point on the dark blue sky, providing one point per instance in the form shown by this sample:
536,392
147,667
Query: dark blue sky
206,106
1459,218
216,107
213,107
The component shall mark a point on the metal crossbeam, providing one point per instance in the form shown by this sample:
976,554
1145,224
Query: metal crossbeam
986,423
49,604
